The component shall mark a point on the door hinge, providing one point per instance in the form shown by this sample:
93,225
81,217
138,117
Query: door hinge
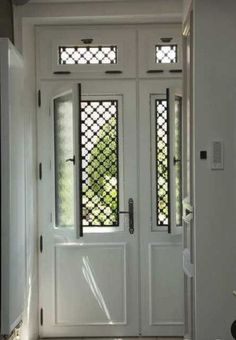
39,98
40,171
41,316
41,244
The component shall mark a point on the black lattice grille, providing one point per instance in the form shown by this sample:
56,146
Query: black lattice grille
99,164
69,55
162,158
166,54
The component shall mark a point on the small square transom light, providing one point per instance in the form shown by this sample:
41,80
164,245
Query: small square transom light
166,54
71,55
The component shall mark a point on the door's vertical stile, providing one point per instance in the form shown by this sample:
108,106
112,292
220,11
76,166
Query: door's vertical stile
171,182
77,158
189,171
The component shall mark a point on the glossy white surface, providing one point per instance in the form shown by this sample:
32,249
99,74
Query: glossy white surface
91,290
89,285
166,290
161,253
12,188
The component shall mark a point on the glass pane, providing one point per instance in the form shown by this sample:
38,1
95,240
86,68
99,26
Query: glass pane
166,54
99,163
178,159
162,163
70,55
63,143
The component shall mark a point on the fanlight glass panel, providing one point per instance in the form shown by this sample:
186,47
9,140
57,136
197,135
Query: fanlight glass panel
63,145
166,54
71,55
99,163
162,163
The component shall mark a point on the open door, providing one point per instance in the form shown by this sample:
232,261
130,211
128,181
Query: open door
175,103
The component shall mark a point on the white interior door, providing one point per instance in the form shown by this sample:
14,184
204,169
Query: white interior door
160,213
88,174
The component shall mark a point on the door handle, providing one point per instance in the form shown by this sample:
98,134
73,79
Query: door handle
130,212
176,160
71,160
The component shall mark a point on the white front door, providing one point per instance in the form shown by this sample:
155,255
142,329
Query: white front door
109,209
88,183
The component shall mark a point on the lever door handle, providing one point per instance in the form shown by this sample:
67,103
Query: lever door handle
130,212
71,160
176,160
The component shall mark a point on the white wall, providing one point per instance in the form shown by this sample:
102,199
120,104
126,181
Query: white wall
6,20
187,4
30,322
215,210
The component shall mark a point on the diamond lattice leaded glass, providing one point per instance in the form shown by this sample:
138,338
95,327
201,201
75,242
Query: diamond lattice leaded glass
166,54
99,163
63,144
70,55
162,163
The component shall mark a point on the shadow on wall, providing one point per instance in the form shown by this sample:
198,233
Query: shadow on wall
6,19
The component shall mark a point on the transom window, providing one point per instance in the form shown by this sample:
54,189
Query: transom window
166,54
69,55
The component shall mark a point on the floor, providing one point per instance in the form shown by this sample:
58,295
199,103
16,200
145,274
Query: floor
139,338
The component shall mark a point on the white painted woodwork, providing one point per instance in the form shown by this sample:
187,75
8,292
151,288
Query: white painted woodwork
188,181
96,291
151,301
48,40
160,253
89,286
12,187
148,39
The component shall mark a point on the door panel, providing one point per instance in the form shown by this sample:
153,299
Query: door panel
98,280
89,285
160,250
90,276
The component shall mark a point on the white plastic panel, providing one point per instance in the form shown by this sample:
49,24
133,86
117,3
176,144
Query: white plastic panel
49,40
90,287
166,284
149,38
12,188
